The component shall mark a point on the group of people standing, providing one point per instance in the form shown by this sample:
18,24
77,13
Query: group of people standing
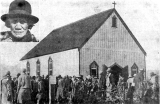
75,89
88,90
24,89
109,88
140,90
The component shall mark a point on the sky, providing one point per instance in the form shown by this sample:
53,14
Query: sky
141,16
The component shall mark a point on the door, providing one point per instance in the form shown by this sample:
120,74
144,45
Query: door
125,73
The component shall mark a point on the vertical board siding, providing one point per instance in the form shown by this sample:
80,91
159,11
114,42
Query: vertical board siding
109,45
108,57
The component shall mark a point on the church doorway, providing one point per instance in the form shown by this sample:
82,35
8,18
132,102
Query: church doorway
116,70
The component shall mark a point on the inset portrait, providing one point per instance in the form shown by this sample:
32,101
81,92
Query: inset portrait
20,21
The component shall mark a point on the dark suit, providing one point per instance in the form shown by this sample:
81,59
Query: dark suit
24,88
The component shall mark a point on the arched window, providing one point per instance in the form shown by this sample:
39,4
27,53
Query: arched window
28,67
114,21
94,69
134,69
38,67
50,66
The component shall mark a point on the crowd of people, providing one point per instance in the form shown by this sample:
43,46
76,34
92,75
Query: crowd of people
24,89
79,90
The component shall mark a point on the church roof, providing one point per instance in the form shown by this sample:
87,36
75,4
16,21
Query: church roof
73,35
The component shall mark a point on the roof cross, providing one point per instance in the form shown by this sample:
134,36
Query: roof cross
114,3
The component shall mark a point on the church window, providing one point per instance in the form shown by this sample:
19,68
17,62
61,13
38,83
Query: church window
114,21
134,69
50,66
94,69
38,68
28,67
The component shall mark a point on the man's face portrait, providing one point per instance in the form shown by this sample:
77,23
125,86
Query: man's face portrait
18,26
20,21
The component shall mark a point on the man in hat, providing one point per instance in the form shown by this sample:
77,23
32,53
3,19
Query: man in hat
15,87
20,21
24,88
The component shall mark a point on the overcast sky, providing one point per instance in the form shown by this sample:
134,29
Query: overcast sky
141,16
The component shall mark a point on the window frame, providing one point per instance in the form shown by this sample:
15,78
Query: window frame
114,21
94,68
28,67
50,66
38,68
134,69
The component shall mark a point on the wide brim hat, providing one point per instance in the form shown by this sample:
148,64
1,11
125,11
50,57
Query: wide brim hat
134,75
7,73
20,9
152,74
109,69
59,76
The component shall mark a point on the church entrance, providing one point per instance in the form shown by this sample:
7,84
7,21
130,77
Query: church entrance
116,70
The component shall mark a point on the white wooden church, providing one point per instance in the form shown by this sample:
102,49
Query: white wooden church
83,47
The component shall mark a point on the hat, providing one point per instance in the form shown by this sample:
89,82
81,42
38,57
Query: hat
23,70
129,76
109,69
152,74
134,75
20,8
7,73
59,76
18,74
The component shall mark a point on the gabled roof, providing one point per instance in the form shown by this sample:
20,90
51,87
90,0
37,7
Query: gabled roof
73,35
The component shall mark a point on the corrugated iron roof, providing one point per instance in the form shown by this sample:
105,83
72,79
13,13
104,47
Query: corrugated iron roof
73,35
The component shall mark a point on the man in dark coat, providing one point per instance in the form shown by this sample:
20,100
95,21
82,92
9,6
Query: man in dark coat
102,80
41,92
34,85
19,20
15,87
24,88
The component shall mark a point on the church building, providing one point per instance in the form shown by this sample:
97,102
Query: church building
86,46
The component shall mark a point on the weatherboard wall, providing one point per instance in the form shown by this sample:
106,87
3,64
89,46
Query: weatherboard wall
64,63
109,45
